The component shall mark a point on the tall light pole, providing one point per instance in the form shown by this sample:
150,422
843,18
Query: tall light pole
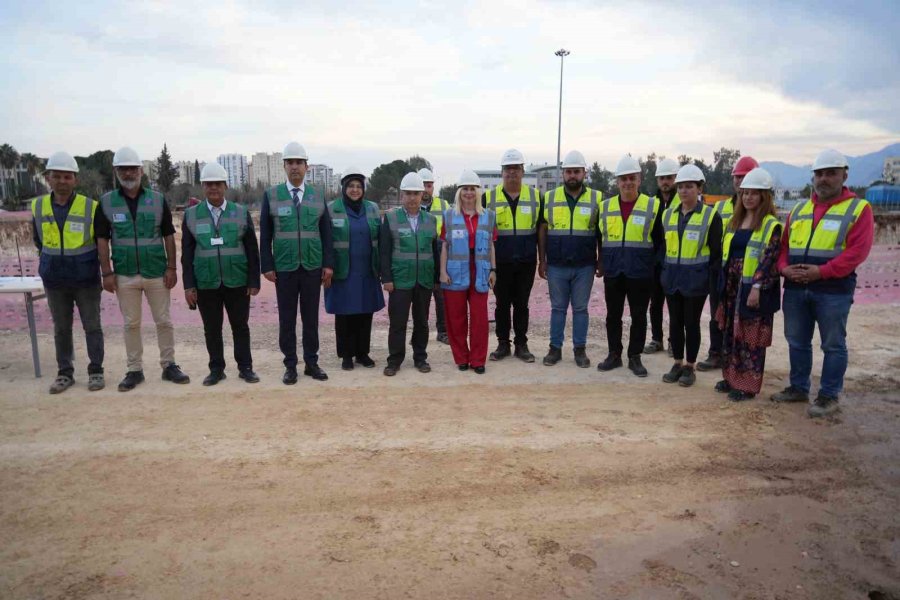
562,53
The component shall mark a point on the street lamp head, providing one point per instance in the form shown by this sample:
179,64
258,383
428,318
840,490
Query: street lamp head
562,52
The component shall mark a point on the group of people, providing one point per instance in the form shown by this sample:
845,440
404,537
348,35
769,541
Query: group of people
670,249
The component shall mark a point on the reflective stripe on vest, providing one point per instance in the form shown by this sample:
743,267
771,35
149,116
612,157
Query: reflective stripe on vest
295,227
578,222
521,222
412,253
340,227
725,210
137,244
755,247
829,238
218,265
78,230
456,234
691,248
635,233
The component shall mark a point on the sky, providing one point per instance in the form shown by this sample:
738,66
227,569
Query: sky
363,83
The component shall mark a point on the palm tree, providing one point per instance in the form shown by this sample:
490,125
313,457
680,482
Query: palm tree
33,165
9,159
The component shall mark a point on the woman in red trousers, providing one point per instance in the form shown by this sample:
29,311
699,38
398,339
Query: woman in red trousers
468,271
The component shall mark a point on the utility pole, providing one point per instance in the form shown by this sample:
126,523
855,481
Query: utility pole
562,53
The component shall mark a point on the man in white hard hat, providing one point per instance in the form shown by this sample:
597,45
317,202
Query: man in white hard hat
518,209
825,239
143,264
437,206
220,267
297,255
569,245
65,229
410,263
666,194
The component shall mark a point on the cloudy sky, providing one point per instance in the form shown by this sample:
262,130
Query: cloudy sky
458,82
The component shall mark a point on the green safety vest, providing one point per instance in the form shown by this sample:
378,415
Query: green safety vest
340,229
412,258
225,263
137,247
296,241
758,242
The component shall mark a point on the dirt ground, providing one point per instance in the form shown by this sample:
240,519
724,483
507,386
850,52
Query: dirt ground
526,482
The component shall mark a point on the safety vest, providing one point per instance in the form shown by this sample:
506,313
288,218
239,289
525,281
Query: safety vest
437,209
725,210
296,240
686,266
627,246
78,230
521,222
220,264
458,252
137,247
760,238
340,229
412,257
571,234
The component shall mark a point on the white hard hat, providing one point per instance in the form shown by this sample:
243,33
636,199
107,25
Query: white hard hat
213,171
61,161
426,175
512,157
757,179
627,165
667,166
294,150
828,159
126,157
689,173
468,178
351,172
574,160
412,183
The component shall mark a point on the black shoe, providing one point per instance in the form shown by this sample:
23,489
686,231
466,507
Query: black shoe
365,361
390,371
688,377
347,363
581,358
739,396
462,367
553,356
173,373
214,377
132,379
823,406
674,374
723,387
315,372
289,377
612,361
479,370
636,366
502,351
790,394
653,347
443,338
423,367
712,362
523,354
248,375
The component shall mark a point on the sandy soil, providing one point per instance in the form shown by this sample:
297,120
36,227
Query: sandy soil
527,482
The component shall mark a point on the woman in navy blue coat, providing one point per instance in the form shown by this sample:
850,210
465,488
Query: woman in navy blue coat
355,293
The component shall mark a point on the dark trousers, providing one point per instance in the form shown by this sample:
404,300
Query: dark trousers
62,302
657,301
715,334
684,325
440,318
303,287
616,291
236,303
399,304
513,289
353,334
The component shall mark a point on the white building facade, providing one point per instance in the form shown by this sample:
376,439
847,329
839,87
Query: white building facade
236,167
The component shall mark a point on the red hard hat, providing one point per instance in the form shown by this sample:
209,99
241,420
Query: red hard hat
744,165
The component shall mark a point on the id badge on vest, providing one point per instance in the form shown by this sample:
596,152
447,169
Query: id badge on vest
693,236
119,218
638,220
830,225
404,232
216,241
584,210
76,227
525,210
284,211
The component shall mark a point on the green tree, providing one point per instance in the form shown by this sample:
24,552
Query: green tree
33,165
9,160
600,179
196,172
91,183
416,162
719,179
166,172
448,193
648,174
101,162
385,177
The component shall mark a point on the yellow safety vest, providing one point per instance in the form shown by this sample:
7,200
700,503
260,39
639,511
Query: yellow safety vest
580,222
78,230
437,209
760,238
636,232
725,209
692,247
522,221
829,238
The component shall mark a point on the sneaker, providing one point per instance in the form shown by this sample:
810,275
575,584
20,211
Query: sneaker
502,351
790,394
61,384
523,353
713,361
581,358
723,387
653,347
553,356
674,374
96,382
131,380
443,338
823,406
612,361
636,366
173,373
739,396
687,378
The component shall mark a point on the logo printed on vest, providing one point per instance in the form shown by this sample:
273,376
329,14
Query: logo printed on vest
337,222
284,211
525,210
119,218
203,228
405,232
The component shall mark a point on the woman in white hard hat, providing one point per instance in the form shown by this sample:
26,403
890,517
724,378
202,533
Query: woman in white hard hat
752,291
468,271
693,250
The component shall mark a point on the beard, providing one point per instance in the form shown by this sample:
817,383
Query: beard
573,185
129,184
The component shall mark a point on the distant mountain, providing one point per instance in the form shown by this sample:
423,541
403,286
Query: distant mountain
863,169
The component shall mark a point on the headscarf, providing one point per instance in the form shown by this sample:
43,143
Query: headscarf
354,205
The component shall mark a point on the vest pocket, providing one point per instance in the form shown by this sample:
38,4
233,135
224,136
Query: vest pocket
286,255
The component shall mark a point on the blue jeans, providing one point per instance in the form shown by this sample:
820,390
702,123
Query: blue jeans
803,310
569,285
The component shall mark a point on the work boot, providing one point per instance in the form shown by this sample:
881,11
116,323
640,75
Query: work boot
581,358
502,351
173,373
636,366
612,361
524,354
674,374
713,361
790,394
553,356
653,347
131,380
823,406
688,377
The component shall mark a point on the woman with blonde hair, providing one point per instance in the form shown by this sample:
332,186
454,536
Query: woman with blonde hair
751,287
468,271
